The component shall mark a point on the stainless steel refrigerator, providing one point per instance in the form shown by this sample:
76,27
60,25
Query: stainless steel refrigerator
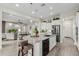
56,31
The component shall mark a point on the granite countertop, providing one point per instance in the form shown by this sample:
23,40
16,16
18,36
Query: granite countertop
34,40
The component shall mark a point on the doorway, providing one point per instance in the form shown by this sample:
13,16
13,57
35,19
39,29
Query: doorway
68,28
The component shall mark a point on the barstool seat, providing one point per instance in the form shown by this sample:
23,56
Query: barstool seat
24,47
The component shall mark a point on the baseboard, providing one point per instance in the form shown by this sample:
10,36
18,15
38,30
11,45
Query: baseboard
68,37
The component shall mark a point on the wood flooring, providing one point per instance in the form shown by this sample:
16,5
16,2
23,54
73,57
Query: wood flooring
67,48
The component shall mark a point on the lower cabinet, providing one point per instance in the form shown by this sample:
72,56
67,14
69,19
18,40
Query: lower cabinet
52,42
45,47
37,49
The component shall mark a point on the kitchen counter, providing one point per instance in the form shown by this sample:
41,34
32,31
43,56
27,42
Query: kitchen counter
34,40
37,43
37,39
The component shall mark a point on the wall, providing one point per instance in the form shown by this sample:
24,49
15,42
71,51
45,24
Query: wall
0,28
77,24
73,24
74,30
68,28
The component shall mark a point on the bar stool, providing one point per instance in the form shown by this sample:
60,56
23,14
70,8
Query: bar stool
24,47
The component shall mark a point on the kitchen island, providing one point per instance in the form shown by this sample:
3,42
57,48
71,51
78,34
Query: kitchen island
41,45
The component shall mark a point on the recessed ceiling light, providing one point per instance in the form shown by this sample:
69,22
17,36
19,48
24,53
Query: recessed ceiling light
17,5
10,24
19,30
50,8
33,12
41,16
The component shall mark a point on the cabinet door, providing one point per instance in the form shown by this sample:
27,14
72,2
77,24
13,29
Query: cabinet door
45,47
37,49
52,42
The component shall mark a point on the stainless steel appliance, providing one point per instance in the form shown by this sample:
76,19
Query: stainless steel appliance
56,30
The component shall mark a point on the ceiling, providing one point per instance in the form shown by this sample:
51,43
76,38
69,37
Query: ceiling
42,10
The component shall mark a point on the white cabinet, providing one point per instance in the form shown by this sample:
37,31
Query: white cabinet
38,45
52,42
37,49
9,36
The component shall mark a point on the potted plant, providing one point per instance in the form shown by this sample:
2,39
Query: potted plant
35,30
12,30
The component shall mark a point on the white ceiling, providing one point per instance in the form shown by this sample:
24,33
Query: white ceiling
44,11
